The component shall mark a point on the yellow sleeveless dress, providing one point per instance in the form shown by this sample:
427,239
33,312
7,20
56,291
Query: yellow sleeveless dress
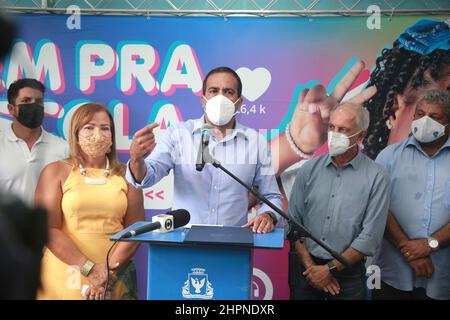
91,214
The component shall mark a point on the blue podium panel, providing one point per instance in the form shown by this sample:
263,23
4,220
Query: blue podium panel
271,240
180,269
198,272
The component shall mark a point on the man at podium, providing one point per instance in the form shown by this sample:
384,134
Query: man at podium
211,196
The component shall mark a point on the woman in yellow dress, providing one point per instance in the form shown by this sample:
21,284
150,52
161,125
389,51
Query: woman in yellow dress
88,200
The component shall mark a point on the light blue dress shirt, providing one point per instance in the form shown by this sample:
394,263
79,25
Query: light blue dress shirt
343,206
420,202
211,196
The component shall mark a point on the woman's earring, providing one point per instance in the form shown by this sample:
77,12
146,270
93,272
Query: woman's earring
82,170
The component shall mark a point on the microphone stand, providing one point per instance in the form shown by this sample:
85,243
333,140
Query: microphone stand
296,229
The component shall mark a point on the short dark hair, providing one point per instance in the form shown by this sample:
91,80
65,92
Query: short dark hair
14,88
224,70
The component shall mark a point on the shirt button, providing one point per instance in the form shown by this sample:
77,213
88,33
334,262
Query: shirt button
213,210
323,239
216,187
328,217
332,195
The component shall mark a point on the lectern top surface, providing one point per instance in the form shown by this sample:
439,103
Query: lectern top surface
272,240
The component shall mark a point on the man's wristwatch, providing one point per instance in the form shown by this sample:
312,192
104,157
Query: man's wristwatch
87,267
333,269
433,243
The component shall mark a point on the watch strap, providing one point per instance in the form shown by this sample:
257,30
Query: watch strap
87,268
333,269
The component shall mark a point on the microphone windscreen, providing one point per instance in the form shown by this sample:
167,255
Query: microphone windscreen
206,132
181,217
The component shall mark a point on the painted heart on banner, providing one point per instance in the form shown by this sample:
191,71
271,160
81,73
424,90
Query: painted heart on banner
254,82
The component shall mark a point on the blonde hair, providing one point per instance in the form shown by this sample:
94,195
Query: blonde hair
80,118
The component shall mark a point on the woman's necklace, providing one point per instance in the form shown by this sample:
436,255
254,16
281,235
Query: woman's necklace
95,181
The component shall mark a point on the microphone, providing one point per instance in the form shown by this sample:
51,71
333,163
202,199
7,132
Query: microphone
162,223
204,141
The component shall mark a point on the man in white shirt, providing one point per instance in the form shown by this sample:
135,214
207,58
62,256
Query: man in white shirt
25,147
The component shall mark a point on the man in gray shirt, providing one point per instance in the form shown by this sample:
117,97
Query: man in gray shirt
342,197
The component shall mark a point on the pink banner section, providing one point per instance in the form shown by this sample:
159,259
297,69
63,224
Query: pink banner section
270,280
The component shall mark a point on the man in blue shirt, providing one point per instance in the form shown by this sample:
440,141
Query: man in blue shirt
211,196
342,197
415,256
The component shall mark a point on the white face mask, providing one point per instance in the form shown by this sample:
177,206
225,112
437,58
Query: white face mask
220,110
426,129
338,143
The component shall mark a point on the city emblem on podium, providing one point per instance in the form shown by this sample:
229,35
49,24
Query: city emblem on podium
197,285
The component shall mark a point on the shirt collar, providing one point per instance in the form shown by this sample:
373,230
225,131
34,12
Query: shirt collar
239,129
44,137
198,123
10,133
412,141
355,163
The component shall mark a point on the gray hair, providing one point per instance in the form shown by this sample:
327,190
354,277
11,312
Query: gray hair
362,114
440,97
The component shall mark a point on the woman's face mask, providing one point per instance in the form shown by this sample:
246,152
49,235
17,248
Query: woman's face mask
220,110
96,144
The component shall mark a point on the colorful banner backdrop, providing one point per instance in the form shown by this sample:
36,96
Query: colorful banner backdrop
151,69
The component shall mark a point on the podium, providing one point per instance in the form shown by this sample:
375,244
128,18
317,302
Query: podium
178,269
